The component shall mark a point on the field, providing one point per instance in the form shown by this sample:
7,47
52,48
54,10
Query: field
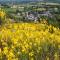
29,41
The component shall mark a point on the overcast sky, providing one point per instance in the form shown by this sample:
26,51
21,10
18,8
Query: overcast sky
31,0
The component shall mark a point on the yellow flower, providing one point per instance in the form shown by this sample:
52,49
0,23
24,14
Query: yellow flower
0,50
5,50
31,53
32,58
23,49
27,38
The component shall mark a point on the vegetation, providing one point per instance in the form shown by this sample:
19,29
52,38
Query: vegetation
29,41
2,16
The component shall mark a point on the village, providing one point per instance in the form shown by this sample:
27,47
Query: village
32,11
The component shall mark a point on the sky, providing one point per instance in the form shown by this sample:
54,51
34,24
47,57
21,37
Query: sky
32,0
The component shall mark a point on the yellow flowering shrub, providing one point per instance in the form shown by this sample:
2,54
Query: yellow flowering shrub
29,41
2,16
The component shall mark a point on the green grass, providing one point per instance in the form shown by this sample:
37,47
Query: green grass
9,9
